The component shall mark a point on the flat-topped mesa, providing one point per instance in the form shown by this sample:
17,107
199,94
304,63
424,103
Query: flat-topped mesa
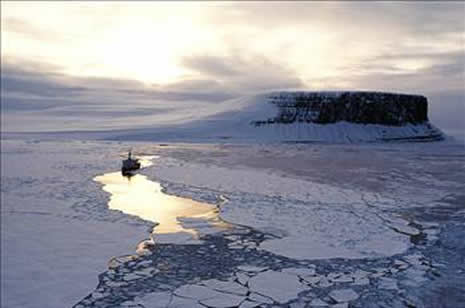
355,107
324,117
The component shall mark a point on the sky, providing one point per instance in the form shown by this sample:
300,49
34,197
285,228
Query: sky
77,65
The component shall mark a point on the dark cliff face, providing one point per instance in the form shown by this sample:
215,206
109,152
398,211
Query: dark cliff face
356,107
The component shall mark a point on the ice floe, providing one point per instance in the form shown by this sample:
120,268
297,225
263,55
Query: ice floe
343,295
279,286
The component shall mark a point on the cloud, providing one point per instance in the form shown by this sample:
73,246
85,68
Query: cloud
447,109
208,54
42,86
243,74
415,18
312,39
37,86
42,81
26,29
441,79
425,72
36,96
211,65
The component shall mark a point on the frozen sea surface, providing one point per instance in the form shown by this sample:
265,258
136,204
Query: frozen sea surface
323,201
57,232
358,225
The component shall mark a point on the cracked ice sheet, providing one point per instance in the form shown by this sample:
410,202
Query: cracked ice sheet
314,221
208,297
43,255
250,181
52,254
343,295
279,286
155,299
225,286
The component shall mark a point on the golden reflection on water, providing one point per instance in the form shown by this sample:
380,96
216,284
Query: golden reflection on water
136,195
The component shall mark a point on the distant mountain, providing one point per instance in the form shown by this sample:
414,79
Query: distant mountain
296,116
287,116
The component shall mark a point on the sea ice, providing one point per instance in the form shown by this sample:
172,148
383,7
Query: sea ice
343,295
223,301
155,299
225,286
279,286
316,221
387,283
340,305
242,278
182,302
303,272
251,268
260,298
195,292
312,279
318,303
249,304
361,282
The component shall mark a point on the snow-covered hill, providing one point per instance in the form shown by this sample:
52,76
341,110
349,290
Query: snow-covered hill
333,117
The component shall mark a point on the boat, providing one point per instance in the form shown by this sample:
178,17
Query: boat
130,165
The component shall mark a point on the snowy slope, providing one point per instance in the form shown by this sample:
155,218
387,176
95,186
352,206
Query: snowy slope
237,121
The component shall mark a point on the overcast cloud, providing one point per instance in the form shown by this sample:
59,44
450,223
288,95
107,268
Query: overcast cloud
169,61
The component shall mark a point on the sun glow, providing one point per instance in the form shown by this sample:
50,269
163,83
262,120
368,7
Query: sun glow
145,44
149,41
138,52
